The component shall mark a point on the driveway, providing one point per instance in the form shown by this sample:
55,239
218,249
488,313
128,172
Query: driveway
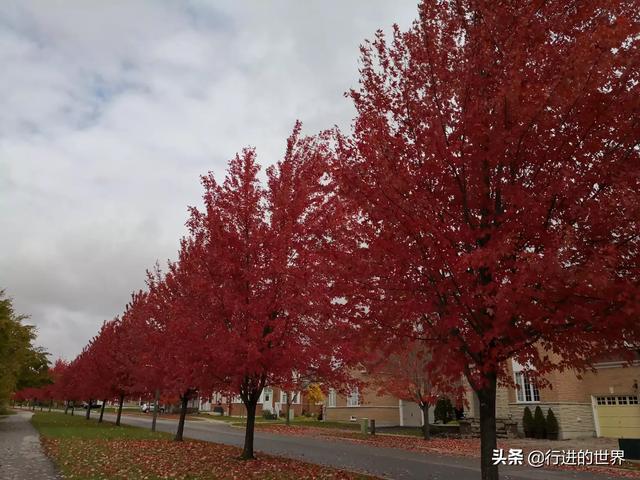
383,462
21,457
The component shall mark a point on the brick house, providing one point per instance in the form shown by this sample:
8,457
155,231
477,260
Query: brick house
603,404
272,400
386,410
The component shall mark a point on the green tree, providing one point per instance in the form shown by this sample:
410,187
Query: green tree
552,426
23,364
444,410
539,424
527,422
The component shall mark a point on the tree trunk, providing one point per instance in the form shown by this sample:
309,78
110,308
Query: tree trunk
120,402
156,406
33,406
247,451
104,402
426,432
50,404
66,407
183,414
288,408
88,414
73,408
488,437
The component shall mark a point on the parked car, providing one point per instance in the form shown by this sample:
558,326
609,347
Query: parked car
148,408
93,405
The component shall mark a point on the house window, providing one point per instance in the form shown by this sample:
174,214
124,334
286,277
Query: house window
283,398
619,400
353,400
332,400
527,390
265,396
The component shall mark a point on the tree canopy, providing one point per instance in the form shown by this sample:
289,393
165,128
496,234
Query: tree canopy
22,364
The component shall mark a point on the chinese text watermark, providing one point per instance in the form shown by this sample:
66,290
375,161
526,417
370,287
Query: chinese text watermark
541,458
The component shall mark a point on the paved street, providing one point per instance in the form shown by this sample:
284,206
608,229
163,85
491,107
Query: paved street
385,462
21,457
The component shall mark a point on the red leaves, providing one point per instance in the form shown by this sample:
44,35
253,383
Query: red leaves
125,459
493,183
257,280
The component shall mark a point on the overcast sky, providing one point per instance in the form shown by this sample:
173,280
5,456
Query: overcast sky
110,111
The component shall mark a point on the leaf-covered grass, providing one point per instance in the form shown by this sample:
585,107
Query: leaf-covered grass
134,411
59,425
90,451
300,422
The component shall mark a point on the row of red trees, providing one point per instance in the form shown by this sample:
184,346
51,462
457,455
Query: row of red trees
486,205
249,302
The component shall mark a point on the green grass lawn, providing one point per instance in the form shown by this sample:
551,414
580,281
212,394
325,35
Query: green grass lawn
241,420
59,425
115,409
86,450
412,431
298,421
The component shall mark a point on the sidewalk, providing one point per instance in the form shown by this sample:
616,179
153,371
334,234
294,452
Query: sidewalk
21,457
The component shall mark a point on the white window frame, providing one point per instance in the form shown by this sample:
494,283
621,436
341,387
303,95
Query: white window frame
353,400
332,398
266,390
283,398
526,389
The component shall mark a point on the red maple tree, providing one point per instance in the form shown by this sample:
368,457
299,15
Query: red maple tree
412,375
493,177
180,367
150,328
260,269
57,373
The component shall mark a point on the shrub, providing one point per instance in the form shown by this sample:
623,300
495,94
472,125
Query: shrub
539,424
267,415
444,411
552,425
527,422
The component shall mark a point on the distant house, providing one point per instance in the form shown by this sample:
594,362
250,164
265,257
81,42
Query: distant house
387,410
603,404
272,400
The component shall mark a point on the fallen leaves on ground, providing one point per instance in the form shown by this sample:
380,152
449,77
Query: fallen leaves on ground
163,459
466,447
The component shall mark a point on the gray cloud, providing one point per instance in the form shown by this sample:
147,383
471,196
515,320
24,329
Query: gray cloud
109,112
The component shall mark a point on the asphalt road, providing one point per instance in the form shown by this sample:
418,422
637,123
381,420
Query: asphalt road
383,462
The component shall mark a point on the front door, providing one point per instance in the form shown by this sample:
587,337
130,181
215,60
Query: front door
267,399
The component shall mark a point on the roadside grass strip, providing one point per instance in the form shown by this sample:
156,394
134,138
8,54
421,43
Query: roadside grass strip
88,450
